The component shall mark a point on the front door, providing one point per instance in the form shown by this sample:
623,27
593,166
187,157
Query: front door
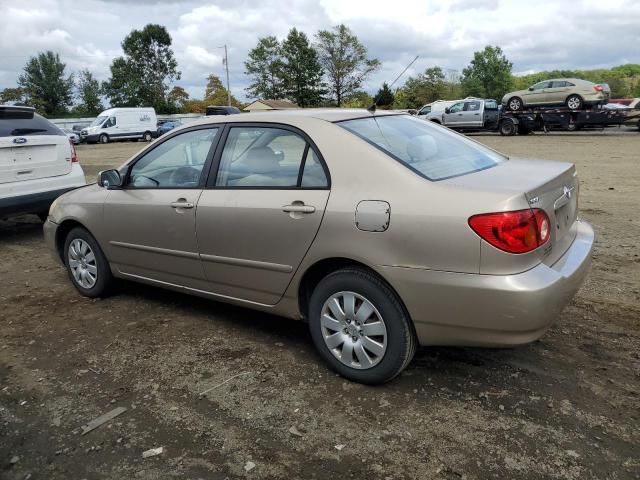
454,115
261,213
151,220
537,94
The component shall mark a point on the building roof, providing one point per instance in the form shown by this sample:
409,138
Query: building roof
276,104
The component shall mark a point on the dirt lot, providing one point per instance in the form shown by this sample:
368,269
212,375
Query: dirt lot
565,407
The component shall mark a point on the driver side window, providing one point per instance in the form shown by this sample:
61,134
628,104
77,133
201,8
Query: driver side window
175,163
456,107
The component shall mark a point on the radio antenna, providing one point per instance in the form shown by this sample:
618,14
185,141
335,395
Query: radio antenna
373,107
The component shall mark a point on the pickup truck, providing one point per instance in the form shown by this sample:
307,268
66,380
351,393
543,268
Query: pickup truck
471,114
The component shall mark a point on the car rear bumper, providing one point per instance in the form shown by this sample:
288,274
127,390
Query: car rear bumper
35,196
492,310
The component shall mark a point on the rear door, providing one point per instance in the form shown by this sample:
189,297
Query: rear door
32,148
261,212
558,91
472,114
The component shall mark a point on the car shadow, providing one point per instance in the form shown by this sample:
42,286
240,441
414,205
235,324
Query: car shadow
19,229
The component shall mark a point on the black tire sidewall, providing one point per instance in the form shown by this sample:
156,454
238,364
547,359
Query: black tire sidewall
104,137
396,321
509,131
105,278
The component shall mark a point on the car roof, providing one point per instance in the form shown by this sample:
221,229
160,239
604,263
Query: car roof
575,80
327,114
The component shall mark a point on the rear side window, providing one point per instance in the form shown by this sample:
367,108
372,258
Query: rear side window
20,127
431,151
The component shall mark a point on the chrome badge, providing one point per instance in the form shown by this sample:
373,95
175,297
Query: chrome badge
19,140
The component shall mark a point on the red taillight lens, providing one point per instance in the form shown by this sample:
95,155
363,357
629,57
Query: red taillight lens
598,88
74,155
514,232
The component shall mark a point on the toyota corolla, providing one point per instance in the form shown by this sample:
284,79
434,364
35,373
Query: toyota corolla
382,231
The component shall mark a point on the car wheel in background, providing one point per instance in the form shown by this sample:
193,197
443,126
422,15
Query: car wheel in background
360,328
515,104
574,102
104,138
507,127
147,136
86,264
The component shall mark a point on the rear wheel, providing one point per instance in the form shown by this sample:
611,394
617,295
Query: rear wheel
515,104
360,328
104,138
574,102
507,128
86,264
147,136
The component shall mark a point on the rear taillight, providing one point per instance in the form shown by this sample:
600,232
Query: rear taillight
74,155
520,231
598,88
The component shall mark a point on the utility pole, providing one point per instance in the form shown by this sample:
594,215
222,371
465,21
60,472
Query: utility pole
226,64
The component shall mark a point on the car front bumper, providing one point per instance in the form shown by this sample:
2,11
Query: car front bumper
492,310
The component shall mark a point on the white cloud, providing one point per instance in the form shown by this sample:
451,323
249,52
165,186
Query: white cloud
546,34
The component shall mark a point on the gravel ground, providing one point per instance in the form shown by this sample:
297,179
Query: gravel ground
565,407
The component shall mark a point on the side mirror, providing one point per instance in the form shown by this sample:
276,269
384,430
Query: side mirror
110,179
531,89
447,110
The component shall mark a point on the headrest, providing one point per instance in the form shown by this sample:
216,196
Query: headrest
421,148
261,160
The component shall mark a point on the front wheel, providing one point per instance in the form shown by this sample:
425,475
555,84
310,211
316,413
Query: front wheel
86,264
360,328
104,138
574,102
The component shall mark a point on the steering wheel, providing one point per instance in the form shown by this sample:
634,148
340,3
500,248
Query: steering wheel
184,176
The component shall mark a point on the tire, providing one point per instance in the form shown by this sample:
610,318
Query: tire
147,137
103,280
507,128
515,104
388,324
104,138
574,102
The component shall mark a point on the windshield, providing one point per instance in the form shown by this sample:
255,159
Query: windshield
98,121
430,150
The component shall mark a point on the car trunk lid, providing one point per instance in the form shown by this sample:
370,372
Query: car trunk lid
548,185
32,156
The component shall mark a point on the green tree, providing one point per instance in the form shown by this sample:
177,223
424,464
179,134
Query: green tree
264,65
425,87
177,98
88,93
142,76
344,60
13,95
488,75
302,73
216,94
45,84
359,99
384,97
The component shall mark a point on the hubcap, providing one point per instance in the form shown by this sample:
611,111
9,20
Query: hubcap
574,102
82,263
514,104
353,330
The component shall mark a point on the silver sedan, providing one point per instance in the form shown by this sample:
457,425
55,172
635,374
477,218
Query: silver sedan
382,231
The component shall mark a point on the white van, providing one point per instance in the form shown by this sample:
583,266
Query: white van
121,124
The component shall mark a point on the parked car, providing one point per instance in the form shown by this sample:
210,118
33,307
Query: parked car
570,92
221,110
122,124
382,231
433,111
167,126
72,136
37,163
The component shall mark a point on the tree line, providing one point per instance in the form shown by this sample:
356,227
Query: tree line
328,70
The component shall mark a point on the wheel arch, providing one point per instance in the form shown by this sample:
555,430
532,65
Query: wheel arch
317,271
435,120
63,230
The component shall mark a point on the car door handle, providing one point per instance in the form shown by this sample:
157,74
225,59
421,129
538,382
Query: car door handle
182,204
298,208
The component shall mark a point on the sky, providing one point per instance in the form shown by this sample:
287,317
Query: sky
535,36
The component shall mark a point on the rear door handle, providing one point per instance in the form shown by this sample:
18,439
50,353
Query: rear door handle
182,204
298,208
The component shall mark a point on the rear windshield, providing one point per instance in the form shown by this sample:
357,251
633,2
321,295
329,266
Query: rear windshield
27,126
432,151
